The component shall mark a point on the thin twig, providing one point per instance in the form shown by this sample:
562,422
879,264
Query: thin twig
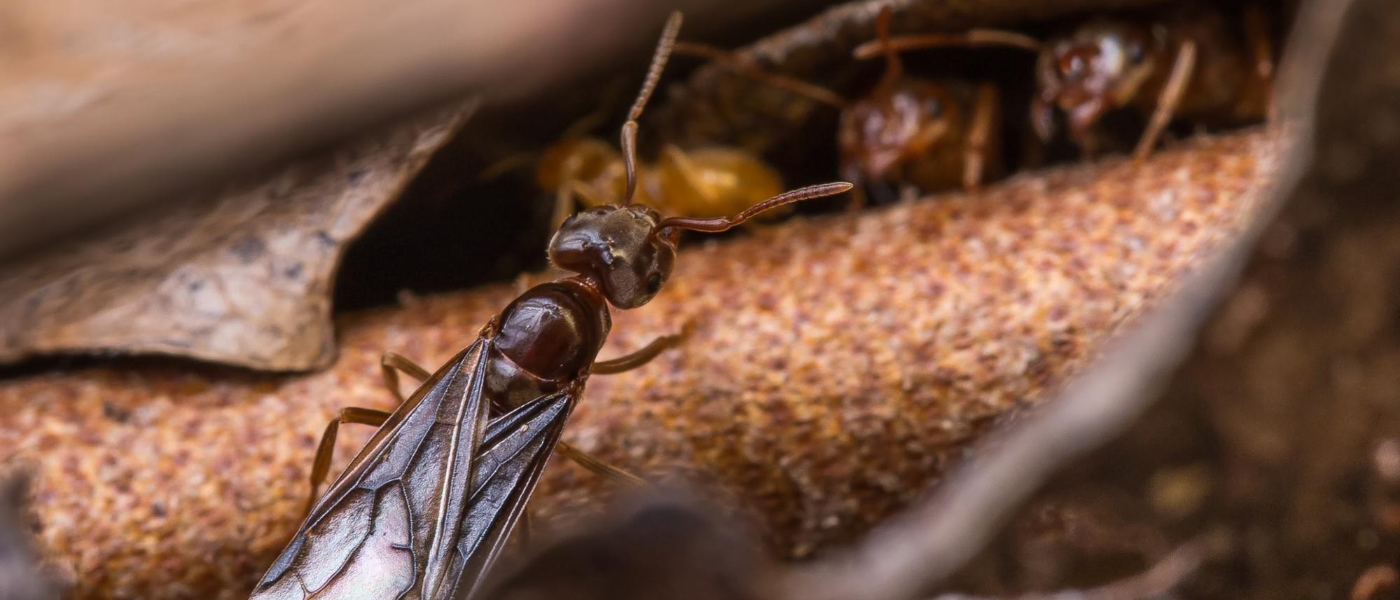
1163,577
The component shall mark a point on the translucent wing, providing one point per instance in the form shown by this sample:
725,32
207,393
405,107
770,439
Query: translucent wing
394,512
515,451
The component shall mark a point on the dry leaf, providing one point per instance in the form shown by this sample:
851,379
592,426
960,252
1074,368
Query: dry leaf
243,279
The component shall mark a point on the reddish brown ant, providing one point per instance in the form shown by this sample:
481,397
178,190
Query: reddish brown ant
929,134
707,181
1188,64
425,508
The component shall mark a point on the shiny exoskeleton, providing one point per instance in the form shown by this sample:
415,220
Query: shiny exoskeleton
931,134
906,130
426,506
1194,63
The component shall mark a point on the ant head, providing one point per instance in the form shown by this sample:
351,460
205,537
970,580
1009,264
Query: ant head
1099,66
627,249
889,129
621,248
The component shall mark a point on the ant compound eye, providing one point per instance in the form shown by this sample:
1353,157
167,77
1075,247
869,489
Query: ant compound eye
654,283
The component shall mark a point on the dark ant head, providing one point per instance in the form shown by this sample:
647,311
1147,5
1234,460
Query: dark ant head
621,248
1099,66
629,250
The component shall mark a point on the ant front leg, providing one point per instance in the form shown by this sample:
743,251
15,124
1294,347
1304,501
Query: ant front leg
1182,69
1259,94
979,136
643,356
322,465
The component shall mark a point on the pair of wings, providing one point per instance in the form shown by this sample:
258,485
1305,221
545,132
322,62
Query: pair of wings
424,509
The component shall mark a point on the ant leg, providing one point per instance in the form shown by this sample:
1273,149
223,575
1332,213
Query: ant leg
859,199
564,201
321,466
643,356
618,365
506,164
979,136
975,38
612,93
1261,88
850,172
391,363
739,64
597,465
563,206
1180,76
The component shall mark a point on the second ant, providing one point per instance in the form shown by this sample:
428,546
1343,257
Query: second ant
1189,63
932,134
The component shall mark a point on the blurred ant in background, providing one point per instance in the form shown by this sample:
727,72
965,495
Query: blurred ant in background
702,182
930,134
1190,63
710,181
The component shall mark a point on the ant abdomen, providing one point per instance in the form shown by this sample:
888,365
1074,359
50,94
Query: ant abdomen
711,181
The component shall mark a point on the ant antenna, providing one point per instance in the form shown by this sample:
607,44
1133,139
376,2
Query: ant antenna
894,69
629,129
744,66
972,39
718,224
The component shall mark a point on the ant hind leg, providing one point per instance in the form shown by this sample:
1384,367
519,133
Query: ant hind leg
320,467
979,136
642,356
1180,76
598,465
391,364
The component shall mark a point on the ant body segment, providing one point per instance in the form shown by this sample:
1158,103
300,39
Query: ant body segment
1190,64
931,134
